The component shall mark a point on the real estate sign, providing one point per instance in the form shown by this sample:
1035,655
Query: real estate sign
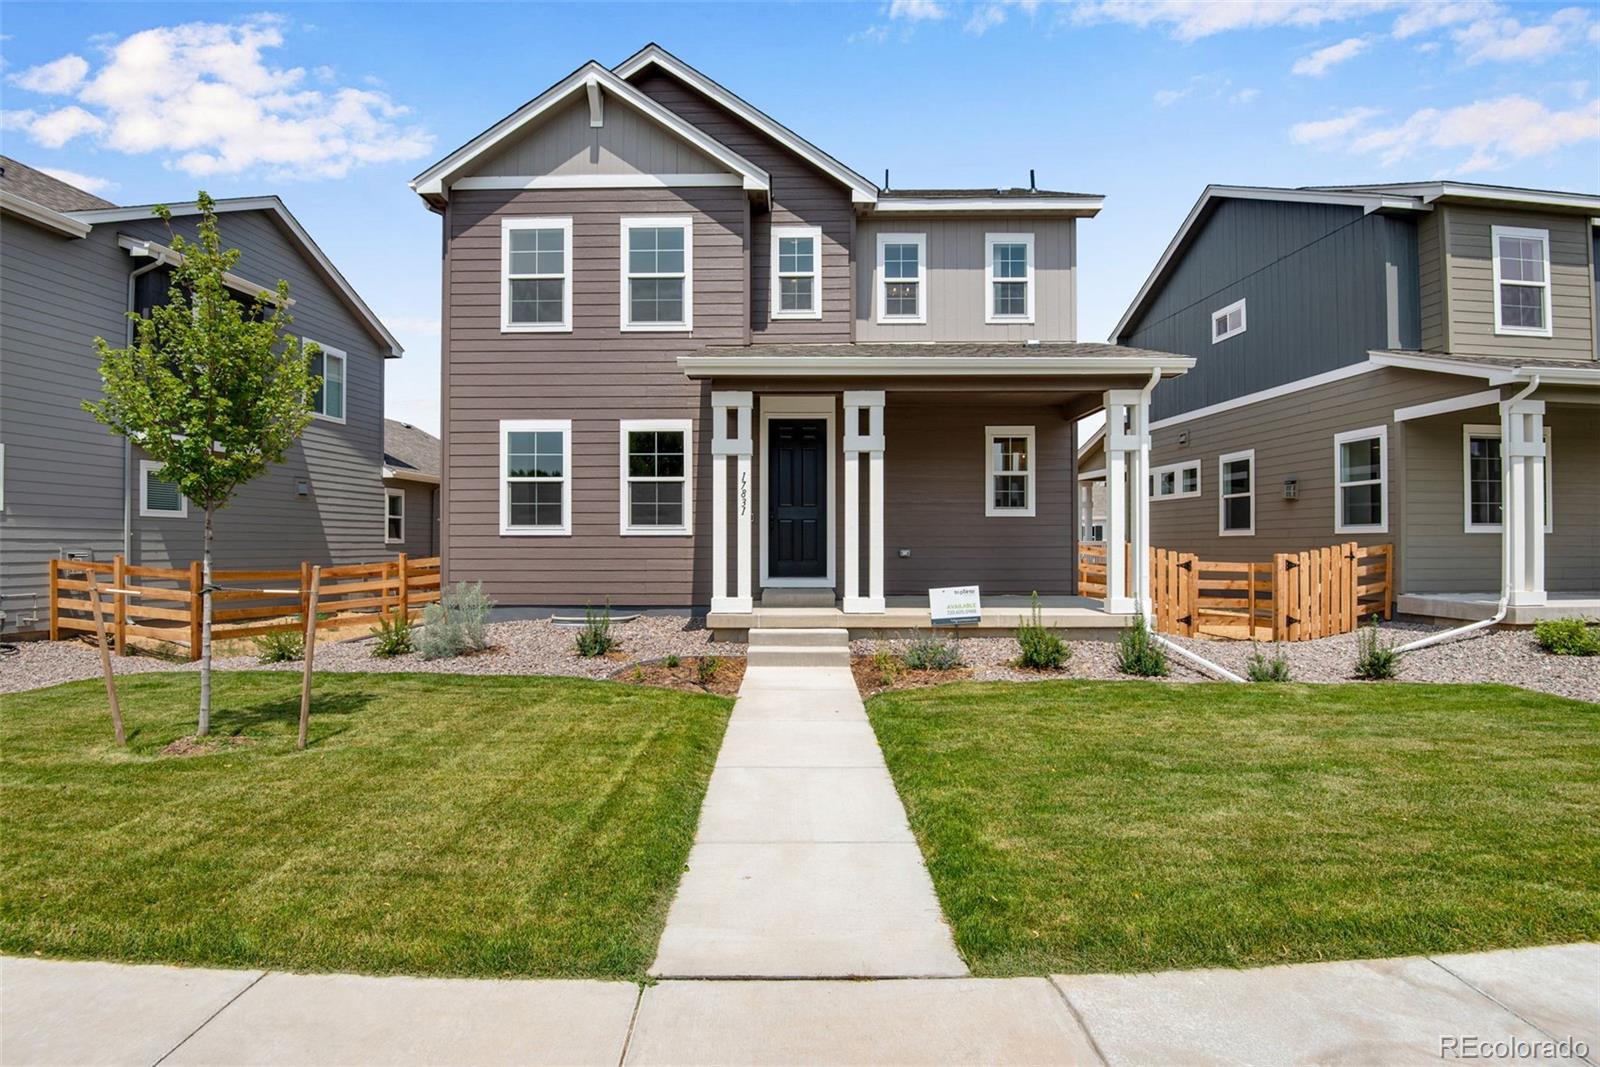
954,605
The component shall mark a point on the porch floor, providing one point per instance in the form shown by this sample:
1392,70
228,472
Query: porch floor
907,614
1470,607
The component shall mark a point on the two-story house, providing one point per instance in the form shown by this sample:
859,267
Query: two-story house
1412,364
74,265
692,359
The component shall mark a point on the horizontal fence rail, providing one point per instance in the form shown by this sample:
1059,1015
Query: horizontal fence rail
1297,596
165,603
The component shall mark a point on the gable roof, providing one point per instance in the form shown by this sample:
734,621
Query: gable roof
409,453
862,191
432,184
45,190
1428,192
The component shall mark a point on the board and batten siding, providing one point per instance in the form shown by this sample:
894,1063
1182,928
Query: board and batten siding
596,376
565,145
955,280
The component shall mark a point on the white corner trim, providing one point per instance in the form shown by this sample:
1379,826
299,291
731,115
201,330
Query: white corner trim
990,240
1286,389
507,227
882,282
147,470
774,307
990,509
1340,526
1223,497
684,222
625,480
1543,237
49,218
1464,402
1223,313
510,426
388,495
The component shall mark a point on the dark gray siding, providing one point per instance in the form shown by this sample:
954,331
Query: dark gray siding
422,518
1316,279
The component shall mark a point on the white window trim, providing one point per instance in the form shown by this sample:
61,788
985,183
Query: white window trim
685,426
1176,470
990,510
507,428
147,470
388,495
1339,525
815,233
921,241
1543,237
1468,432
344,380
989,241
1237,305
533,223
1223,498
684,222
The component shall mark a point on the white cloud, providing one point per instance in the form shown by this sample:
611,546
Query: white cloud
87,182
1191,20
1508,40
204,95
1168,97
58,76
1321,131
917,10
1244,96
1421,18
985,17
1323,60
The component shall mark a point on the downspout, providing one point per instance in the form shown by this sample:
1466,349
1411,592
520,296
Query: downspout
1143,562
1505,540
127,445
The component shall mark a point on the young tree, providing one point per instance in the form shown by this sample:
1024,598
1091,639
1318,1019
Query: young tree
213,387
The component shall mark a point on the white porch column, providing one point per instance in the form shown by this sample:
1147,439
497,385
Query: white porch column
723,448
1522,459
855,444
1127,502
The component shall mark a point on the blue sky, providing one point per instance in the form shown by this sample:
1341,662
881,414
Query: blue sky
336,106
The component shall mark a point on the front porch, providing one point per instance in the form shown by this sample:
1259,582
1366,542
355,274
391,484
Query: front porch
1472,607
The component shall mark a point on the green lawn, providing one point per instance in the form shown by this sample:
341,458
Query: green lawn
1079,827
436,824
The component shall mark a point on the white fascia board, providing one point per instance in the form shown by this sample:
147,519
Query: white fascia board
139,247
434,180
1431,191
1285,389
924,366
144,212
49,218
1560,375
1492,375
1087,206
862,191
600,181
1465,402
394,474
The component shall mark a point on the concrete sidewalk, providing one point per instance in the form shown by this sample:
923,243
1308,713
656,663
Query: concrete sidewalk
803,865
1517,1004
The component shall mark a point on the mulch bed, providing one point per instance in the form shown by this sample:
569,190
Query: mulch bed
686,675
871,680
205,746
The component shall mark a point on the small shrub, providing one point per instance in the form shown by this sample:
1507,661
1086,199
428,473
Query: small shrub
595,639
286,646
886,665
1138,653
1262,669
671,661
931,653
457,623
1376,658
706,667
393,638
1041,649
1567,637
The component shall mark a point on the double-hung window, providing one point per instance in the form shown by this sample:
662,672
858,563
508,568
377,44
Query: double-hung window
797,272
1361,479
394,516
902,277
1009,269
1177,480
159,499
1008,481
1482,472
536,477
1236,485
1521,281
658,273
1227,322
656,463
329,365
535,275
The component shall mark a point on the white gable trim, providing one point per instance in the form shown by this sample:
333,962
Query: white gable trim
135,246
12,204
862,191
599,181
435,180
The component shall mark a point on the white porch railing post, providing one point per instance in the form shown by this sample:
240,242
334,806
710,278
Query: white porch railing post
1523,458
1125,484
855,444
723,448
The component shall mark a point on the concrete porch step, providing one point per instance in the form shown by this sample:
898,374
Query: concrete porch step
797,598
819,647
818,637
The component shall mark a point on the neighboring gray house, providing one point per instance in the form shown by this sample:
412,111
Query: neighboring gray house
691,359
1361,354
73,266
410,489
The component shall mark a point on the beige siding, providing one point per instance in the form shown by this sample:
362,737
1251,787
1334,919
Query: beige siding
1435,315
955,279
565,144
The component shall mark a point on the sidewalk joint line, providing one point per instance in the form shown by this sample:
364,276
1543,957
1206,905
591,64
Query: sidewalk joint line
207,1021
633,1020
1077,1017
1497,1002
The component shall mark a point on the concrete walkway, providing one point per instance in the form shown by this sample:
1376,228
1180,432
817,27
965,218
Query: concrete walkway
1386,1011
804,866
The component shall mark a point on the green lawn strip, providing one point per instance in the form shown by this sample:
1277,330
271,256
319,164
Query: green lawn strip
441,825
1124,826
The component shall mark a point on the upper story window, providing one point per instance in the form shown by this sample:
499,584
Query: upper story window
159,499
797,272
1236,503
1227,322
535,476
1361,476
902,277
658,273
1009,258
1521,281
329,365
1010,488
535,275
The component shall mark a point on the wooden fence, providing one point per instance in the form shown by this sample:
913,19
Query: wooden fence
164,603
1298,596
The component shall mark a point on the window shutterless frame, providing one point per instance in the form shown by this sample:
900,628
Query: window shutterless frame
1003,461
627,479
331,396
394,516
790,270
1227,322
147,474
564,479
536,266
904,276
629,276
1227,491
1185,481
1522,266
1489,432
1343,479
1002,273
